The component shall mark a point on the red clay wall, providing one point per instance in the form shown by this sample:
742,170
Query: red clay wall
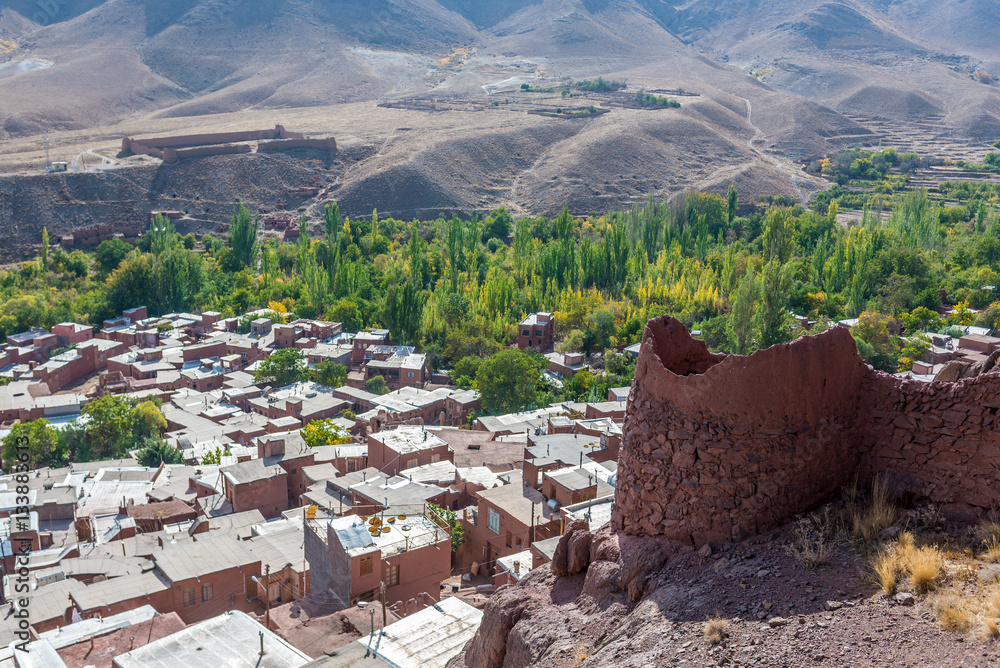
716,447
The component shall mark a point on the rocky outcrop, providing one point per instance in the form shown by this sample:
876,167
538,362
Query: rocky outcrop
715,448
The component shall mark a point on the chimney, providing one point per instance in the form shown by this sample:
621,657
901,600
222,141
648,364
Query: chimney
517,567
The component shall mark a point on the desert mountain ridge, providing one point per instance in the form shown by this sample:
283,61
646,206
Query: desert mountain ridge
425,99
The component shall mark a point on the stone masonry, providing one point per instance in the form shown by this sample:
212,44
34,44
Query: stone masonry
718,447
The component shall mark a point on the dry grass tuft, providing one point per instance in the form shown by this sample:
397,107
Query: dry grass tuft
922,567
991,550
993,604
869,520
925,565
992,629
953,616
887,569
716,630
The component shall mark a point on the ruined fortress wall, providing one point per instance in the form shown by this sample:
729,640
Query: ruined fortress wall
328,144
938,440
716,447
278,132
201,151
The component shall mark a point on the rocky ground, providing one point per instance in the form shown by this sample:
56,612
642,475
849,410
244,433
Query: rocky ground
647,602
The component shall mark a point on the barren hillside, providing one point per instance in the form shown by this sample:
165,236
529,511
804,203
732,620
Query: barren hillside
429,92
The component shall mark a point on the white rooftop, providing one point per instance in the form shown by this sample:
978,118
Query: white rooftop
429,638
408,439
231,640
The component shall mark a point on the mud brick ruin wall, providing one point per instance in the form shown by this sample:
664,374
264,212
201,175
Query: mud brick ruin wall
718,447
172,149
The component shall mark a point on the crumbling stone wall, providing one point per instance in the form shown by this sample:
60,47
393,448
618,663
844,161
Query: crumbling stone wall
717,447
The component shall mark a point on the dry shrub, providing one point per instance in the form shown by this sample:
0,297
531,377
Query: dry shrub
887,569
809,547
869,520
952,615
716,630
921,566
991,550
992,629
993,604
925,566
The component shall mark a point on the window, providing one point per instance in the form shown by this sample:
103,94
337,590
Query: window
538,332
410,463
206,592
393,575
351,467
435,459
494,521
526,332
366,566
409,374
189,597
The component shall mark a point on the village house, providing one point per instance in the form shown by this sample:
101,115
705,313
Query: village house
536,332
406,447
410,555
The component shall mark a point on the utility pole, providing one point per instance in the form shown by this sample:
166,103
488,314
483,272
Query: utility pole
383,607
267,598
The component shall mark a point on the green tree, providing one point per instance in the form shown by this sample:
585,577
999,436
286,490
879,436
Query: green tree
324,432
243,240
456,528
213,457
376,385
111,427
499,224
876,344
155,450
149,419
39,443
463,374
772,315
600,330
330,373
732,203
43,256
779,234
741,316
110,254
508,381
578,387
131,284
282,367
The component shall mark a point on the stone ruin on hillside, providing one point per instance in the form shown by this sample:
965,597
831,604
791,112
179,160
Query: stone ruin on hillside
718,447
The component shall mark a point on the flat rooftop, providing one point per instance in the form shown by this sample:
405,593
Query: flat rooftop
231,640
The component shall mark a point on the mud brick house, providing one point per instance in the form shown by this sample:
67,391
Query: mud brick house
565,365
411,555
252,485
406,447
404,368
71,333
556,451
536,332
365,340
208,576
88,357
506,520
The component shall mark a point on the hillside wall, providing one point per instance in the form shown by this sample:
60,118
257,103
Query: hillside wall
716,448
